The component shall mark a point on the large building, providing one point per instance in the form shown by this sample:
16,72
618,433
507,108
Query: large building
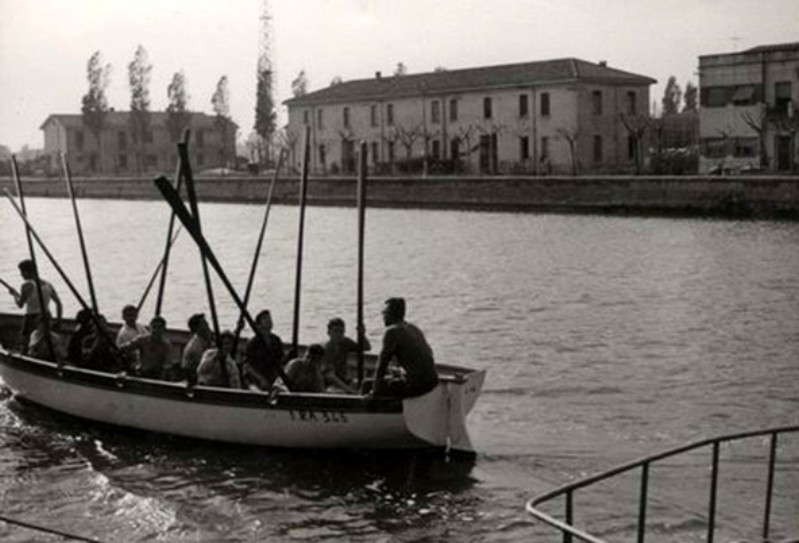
119,152
748,109
555,116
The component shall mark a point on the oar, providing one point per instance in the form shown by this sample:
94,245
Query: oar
362,167
99,324
36,277
9,287
157,269
162,283
71,191
300,235
258,246
173,199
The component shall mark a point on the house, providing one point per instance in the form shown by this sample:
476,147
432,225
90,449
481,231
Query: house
119,152
548,116
748,109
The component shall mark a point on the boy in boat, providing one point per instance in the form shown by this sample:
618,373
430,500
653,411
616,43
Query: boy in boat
406,344
28,296
82,331
209,371
98,349
262,357
337,350
201,340
153,348
305,374
131,329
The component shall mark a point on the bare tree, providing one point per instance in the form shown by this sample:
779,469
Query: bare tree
758,122
95,103
407,137
636,126
571,137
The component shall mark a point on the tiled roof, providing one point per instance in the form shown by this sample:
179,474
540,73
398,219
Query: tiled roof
774,47
120,118
507,75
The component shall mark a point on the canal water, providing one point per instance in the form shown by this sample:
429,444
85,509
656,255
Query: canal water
605,339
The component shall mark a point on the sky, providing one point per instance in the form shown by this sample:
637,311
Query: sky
45,44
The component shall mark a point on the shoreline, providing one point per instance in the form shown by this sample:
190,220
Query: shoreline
735,197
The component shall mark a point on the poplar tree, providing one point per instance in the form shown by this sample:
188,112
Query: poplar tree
265,115
672,96
177,114
94,103
690,96
299,86
221,104
139,121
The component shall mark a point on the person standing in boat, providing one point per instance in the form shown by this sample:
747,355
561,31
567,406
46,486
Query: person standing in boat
209,370
404,343
28,296
337,351
201,340
153,348
264,354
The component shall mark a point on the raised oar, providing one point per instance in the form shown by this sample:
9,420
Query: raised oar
32,252
9,287
71,191
256,256
173,199
99,324
362,167
157,269
167,248
300,235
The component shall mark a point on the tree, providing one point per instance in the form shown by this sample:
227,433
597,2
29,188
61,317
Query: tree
177,114
758,122
337,80
401,69
265,116
691,96
672,96
571,137
407,136
221,104
299,86
95,104
636,126
139,80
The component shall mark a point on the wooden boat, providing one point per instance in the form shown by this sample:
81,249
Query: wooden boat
301,420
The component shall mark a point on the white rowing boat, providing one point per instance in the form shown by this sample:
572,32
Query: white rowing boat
326,421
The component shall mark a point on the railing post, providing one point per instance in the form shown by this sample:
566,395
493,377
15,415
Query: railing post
714,479
567,537
772,459
642,502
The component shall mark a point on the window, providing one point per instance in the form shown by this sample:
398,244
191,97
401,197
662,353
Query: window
746,95
715,96
79,140
632,143
346,117
320,120
632,108
373,115
200,138
524,148
714,147
151,161
435,112
597,148
375,157
322,155
545,147
746,147
306,117
523,106
453,109
390,114
596,102
391,152
436,149
545,104
122,140
455,148
487,108
123,161
782,96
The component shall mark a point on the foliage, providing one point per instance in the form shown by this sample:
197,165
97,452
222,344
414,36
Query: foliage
265,116
401,69
94,103
691,97
337,80
672,96
178,116
299,86
139,80
221,105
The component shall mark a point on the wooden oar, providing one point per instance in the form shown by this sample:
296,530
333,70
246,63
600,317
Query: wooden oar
36,277
362,168
71,191
162,284
300,235
158,269
97,322
256,256
173,199
9,287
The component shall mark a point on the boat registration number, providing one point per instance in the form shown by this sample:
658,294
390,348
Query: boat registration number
318,415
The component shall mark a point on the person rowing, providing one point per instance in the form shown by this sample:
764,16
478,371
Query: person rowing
28,297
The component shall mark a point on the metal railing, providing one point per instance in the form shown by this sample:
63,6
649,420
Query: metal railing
569,531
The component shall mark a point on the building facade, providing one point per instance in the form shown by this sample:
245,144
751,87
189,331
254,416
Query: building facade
555,116
748,109
118,152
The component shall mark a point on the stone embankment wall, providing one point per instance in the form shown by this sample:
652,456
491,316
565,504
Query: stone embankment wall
738,196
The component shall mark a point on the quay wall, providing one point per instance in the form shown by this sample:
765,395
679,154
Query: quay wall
729,196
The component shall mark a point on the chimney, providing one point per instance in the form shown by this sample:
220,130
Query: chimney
378,75
603,63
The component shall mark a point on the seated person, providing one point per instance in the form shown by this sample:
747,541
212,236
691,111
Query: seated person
337,350
210,370
39,347
154,350
201,340
98,350
130,329
83,330
264,354
305,374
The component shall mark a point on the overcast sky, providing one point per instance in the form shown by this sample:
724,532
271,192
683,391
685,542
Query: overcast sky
45,44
